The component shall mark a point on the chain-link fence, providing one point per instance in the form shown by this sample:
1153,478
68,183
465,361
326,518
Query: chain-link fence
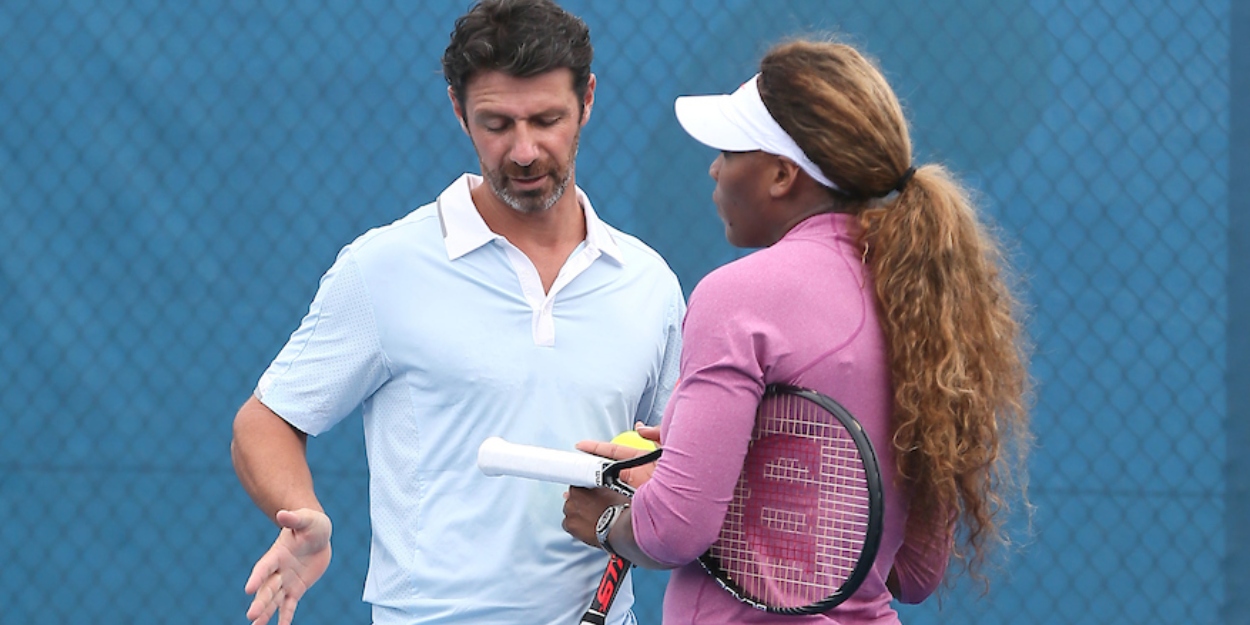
174,177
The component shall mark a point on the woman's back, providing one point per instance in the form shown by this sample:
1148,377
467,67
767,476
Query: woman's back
800,312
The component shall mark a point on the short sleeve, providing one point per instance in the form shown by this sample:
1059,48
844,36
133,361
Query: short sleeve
334,361
651,408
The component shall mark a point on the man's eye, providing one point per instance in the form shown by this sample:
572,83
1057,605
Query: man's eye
493,124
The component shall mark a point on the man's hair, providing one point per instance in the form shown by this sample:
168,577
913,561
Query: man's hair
521,38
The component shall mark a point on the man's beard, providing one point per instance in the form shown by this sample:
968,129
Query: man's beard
531,201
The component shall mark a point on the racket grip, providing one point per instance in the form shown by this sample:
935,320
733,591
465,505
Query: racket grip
499,457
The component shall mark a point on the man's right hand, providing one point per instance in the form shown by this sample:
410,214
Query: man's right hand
295,562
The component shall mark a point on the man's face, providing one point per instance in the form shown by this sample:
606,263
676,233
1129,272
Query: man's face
525,131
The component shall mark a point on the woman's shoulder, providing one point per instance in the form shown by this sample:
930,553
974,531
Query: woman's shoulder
791,270
756,275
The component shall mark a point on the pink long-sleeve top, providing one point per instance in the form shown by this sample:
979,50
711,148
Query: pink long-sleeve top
800,312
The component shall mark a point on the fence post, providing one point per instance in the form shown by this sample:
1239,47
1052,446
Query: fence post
1237,469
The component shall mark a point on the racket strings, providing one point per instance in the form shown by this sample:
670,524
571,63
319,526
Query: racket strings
798,521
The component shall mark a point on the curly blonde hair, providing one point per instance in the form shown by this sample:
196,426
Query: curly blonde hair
956,348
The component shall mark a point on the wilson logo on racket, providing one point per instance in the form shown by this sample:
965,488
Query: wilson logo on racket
803,528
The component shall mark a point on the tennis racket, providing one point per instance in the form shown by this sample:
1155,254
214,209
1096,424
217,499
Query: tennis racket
804,523
499,457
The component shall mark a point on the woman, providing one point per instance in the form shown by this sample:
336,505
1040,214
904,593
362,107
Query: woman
878,286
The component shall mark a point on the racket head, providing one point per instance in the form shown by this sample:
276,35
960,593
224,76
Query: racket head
804,524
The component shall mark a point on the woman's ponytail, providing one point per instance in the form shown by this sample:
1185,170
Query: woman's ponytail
957,355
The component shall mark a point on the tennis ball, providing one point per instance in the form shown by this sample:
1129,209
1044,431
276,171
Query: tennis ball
633,439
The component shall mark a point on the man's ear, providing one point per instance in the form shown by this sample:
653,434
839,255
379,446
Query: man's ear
588,102
785,177
457,109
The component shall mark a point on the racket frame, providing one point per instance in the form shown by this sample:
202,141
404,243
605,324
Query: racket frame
876,512
614,574
610,476
611,582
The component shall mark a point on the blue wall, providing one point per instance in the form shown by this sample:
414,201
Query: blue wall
1237,514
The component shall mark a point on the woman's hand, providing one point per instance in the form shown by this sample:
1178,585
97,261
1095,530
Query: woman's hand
636,476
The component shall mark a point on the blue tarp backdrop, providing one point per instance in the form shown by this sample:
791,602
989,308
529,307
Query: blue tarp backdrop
175,177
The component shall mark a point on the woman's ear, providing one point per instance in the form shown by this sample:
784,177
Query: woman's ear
785,176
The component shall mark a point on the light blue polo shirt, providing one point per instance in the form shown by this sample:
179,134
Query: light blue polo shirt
440,328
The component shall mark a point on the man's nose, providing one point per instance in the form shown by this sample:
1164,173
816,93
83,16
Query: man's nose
525,148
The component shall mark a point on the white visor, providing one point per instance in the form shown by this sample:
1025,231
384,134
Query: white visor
741,123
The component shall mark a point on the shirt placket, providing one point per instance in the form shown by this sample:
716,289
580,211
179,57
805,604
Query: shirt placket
542,305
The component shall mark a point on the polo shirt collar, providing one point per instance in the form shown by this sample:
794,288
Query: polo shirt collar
464,230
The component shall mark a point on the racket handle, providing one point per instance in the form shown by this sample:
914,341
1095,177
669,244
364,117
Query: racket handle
499,457
609,585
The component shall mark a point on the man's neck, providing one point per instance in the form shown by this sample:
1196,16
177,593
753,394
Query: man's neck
547,237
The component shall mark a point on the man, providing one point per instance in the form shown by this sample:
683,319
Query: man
503,308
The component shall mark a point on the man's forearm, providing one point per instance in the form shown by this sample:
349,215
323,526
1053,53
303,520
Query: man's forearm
269,458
